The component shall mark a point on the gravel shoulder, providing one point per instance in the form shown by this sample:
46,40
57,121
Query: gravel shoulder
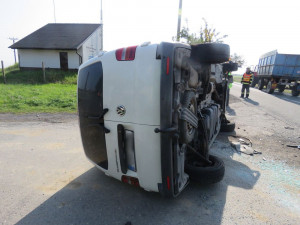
269,133
39,117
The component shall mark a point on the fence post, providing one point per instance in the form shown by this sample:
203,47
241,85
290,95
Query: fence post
44,73
3,72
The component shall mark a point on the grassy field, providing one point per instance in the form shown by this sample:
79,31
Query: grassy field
25,91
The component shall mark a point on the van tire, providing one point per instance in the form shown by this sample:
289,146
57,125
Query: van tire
227,127
206,175
210,53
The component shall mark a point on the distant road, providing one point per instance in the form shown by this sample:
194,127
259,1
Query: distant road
281,105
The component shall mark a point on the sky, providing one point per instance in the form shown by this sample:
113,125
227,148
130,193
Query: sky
253,27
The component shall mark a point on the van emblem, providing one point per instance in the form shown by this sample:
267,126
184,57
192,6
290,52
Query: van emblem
121,110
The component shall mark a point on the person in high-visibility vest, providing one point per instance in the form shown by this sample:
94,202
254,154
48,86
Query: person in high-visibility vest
246,81
230,81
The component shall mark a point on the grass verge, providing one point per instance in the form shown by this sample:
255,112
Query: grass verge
25,92
20,98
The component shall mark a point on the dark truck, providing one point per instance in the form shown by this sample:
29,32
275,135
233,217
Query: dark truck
279,71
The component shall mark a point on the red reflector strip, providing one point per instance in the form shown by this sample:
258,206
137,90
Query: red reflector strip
130,180
126,54
119,54
168,183
168,65
124,179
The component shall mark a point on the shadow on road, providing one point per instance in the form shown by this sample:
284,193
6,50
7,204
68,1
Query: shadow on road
251,101
230,111
94,198
289,98
285,96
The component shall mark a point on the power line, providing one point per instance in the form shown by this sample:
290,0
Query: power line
14,39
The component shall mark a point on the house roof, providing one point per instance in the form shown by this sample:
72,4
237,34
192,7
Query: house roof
60,36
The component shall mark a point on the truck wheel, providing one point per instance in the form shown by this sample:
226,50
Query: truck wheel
227,127
281,88
187,131
261,84
206,175
270,90
254,82
295,91
210,53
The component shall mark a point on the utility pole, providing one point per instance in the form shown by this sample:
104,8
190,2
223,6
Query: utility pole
14,39
101,24
54,11
179,20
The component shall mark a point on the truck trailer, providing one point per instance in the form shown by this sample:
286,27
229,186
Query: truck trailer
279,71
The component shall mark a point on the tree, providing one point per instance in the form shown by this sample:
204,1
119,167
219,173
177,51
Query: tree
237,59
206,35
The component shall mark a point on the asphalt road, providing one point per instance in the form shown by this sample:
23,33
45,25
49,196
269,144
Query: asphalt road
281,105
46,179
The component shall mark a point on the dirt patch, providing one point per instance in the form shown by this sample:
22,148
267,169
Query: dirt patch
39,117
268,134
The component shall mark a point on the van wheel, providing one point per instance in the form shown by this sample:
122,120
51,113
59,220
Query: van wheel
206,175
210,53
227,127
261,84
187,131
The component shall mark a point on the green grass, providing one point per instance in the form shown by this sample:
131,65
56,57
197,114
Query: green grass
15,76
25,91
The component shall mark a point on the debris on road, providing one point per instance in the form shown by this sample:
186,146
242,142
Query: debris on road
293,146
289,128
243,146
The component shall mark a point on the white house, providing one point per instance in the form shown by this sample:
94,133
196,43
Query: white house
59,46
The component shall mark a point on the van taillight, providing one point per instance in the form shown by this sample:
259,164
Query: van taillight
126,54
130,180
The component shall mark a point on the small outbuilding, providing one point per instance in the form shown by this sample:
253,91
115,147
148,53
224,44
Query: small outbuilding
59,46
